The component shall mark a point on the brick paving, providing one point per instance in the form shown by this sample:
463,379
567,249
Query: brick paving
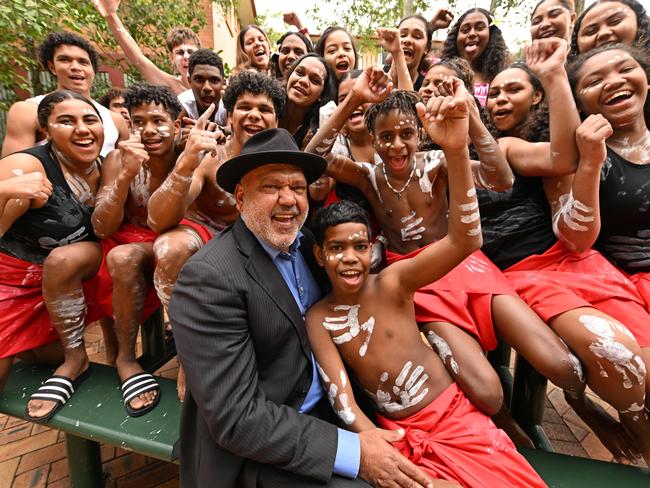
34,456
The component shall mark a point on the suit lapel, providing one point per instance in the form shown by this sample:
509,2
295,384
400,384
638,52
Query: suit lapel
261,269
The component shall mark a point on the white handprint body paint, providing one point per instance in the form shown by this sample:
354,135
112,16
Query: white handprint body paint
345,413
140,187
81,189
49,243
411,231
432,160
443,349
351,322
571,212
407,392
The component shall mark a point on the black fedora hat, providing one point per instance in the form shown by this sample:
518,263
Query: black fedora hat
270,146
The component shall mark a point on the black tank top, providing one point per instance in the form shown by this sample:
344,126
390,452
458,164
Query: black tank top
516,223
62,220
625,213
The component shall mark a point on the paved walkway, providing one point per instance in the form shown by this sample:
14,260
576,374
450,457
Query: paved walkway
33,456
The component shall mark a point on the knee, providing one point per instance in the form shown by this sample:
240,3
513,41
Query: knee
566,371
124,263
172,251
60,265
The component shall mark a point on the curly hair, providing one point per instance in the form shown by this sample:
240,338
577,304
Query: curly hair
241,58
495,57
181,35
205,56
401,100
428,28
111,94
140,93
255,83
575,66
47,104
56,39
642,39
536,126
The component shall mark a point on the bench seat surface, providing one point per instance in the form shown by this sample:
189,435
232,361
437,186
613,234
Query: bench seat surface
96,412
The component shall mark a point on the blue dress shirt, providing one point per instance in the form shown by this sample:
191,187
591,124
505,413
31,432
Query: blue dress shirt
305,291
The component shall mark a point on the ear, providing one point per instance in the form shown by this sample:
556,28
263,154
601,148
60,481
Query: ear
318,254
50,66
537,98
177,127
239,196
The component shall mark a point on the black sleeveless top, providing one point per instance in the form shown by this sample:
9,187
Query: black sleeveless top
62,220
516,223
624,236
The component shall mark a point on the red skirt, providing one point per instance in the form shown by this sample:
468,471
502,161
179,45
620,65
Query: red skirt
204,233
126,234
24,320
463,297
560,280
451,439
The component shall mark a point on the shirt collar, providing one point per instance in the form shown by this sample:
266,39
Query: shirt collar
274,252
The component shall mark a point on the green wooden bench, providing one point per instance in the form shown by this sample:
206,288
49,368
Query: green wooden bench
95,414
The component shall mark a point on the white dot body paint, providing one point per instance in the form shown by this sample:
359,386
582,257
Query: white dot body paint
411,231
17,172
408,394
443,349
351,322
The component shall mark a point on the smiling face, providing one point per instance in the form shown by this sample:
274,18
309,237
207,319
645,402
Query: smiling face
257,48
413,38
76,130
306,83
252,114
510,99
396,140
291,49
355,123
73,70
180,57
436,75
345,254
206,82
607,23
551,19
156,128
339,53
272,200
473,36
615,85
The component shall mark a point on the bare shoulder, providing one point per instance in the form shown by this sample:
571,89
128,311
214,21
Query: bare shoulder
19,163
316,313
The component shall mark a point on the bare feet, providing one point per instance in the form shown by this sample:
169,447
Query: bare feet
180,382
609,430
126,370
505,422
72,368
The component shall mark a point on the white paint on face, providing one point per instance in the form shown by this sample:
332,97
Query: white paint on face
140,187
411,231
443,349
351,322
17,172
407,394
358,235
164,131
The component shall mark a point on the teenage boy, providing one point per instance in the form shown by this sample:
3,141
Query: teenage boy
181,43
130,175
254,102
73,62
113,100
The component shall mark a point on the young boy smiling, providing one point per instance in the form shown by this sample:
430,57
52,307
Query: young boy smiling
367,323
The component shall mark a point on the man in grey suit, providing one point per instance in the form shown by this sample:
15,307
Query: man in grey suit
255,413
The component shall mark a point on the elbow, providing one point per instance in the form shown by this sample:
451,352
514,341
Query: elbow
153,224
504,184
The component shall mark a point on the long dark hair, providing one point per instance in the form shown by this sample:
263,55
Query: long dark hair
428,29
495,57
642,39
309,47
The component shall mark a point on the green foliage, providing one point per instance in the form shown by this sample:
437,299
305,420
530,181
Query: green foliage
25,23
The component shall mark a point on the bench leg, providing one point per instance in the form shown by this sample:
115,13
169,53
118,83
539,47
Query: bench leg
500,361
528,402
84,463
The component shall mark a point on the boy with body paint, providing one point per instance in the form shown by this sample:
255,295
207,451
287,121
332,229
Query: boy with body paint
254,102
367,324
207,81
130,174
407,192
181,42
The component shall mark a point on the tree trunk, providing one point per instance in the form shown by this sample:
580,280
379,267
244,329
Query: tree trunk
408,8
493,5
580,6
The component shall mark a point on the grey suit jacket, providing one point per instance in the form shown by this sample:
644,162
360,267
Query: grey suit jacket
242,341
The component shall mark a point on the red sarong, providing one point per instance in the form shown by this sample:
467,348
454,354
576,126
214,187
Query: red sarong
204,233
24,320
126,234
560,280
463,297
451,439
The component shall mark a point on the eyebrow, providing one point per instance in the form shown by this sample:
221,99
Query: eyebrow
599,71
